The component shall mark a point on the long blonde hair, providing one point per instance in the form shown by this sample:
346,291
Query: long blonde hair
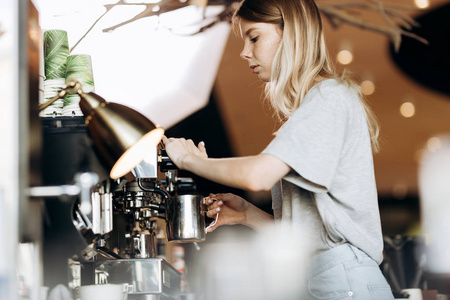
302,57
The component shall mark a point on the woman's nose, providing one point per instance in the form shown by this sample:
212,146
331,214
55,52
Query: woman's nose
246,53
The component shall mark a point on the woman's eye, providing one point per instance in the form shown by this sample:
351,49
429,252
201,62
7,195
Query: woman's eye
254,39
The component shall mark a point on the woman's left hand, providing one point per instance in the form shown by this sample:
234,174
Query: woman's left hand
231,209
179,149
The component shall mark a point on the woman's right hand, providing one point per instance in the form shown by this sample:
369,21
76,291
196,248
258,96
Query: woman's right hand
232,209
179,149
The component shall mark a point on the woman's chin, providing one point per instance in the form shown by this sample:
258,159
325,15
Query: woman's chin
263,78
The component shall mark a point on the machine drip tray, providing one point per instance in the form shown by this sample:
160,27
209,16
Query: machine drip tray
151,278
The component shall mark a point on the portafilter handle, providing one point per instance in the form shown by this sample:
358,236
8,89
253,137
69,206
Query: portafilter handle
164,162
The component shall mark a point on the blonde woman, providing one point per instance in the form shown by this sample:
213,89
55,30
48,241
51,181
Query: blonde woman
319,165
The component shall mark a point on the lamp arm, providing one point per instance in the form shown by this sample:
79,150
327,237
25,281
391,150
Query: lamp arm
73,86
61,94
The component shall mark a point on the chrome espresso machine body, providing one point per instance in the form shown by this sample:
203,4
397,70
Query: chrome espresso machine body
120,232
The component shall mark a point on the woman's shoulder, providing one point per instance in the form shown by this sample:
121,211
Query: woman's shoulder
334,90
330,95
336,86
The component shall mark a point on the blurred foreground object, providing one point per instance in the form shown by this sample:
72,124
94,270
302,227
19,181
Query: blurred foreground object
434,185
270,265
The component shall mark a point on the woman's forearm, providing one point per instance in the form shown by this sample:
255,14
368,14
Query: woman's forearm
234,172
254,173
256,218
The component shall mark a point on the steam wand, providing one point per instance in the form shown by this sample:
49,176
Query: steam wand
84,183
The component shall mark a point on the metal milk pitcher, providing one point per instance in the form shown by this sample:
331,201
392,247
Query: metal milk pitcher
185,218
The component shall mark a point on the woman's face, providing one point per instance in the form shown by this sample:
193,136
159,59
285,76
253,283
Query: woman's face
261,42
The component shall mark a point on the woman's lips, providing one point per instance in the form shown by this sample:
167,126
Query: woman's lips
254,68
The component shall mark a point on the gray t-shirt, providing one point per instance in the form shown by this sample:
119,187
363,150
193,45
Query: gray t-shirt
331,186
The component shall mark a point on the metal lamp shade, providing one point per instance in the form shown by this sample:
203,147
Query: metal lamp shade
121,135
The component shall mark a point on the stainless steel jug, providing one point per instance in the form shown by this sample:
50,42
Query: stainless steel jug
185,218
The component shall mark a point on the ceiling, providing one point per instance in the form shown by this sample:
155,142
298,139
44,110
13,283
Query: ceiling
250,125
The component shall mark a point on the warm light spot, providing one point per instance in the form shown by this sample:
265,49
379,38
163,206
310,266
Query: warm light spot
367,87
344,57
434,144
407,109
400,191
422,3
156,8
135,154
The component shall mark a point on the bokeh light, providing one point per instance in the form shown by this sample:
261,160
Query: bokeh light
344,57
407,109
422,3
367,87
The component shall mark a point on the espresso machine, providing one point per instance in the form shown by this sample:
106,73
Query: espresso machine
120,232
115,241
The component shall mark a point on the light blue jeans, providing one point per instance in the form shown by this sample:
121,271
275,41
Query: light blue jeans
345,272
